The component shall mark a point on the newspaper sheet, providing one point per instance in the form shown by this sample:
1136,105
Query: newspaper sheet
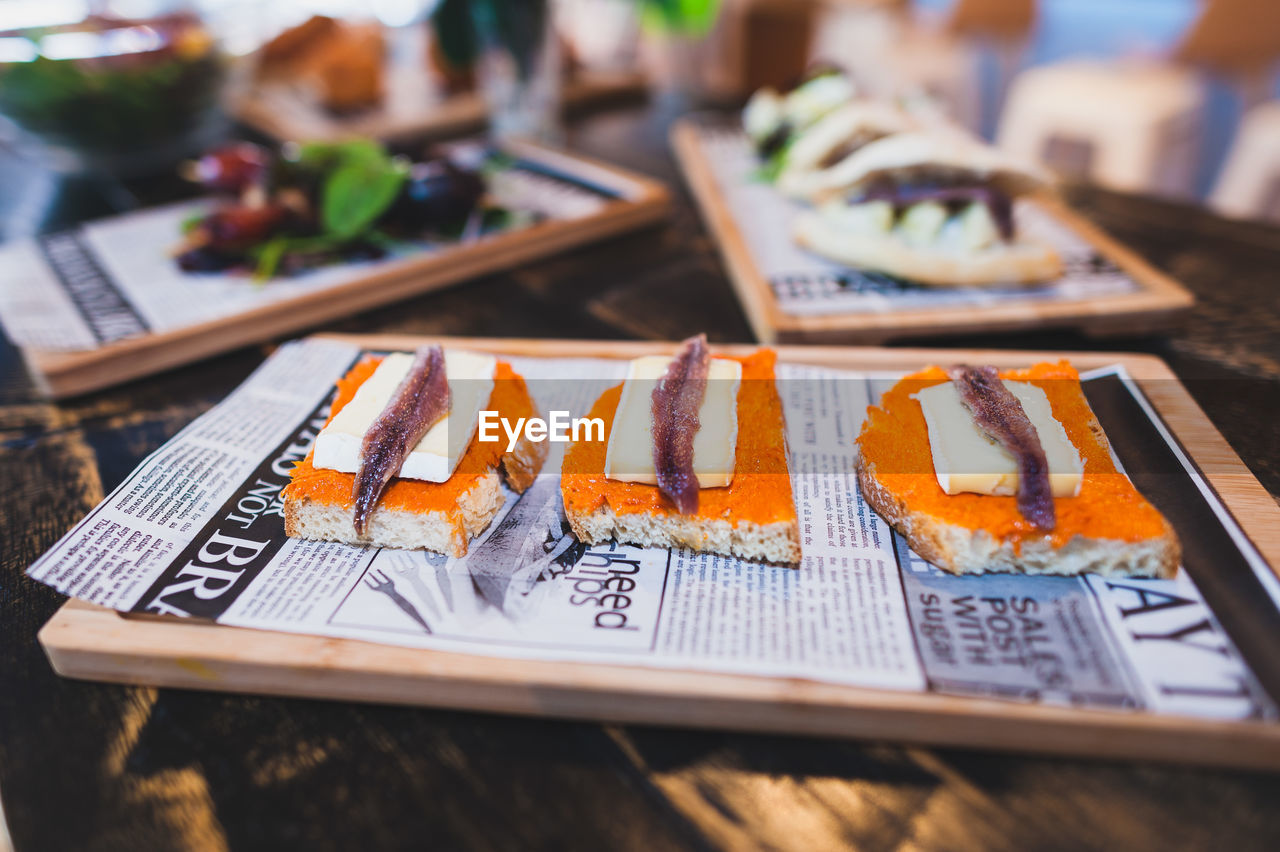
197,530
806,284
115,279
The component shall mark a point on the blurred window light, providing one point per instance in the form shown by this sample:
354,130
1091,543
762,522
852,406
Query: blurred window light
116,42
244,25
19,14
136,9
396,13
17,50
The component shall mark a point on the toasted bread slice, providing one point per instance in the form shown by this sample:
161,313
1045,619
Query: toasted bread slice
776,542
441,531
1108,529
437,516
754,517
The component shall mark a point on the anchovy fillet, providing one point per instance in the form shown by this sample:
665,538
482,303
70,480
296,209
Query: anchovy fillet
1001,417
420,401
675,403
859,139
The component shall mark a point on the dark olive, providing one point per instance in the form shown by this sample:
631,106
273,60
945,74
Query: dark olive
438,196
363,251
205,259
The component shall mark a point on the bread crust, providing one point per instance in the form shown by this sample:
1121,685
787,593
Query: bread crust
729,522
441,532
778,542
1021,262
520,467
449,533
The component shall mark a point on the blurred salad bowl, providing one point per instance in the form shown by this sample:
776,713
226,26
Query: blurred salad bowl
112,95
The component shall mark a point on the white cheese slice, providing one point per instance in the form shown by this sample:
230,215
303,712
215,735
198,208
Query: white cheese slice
966,460
629,457
434,459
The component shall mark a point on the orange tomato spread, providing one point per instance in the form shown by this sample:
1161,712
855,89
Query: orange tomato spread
510,398
895,440
761,487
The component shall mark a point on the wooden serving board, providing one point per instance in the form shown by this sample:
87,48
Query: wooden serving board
414,109
84,641
1157,303
636,201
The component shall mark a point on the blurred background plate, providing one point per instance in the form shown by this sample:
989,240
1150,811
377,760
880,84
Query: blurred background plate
109,94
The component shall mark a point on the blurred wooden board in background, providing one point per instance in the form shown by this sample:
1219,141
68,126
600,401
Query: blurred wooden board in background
626,201
415,106
1156,301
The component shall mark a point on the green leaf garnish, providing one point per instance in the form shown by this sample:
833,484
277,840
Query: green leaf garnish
356,195
769,170
359,191
190,223
692,17
326,155
268,257
359,182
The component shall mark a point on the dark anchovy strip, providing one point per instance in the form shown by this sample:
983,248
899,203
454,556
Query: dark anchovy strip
821,68
998,413
952,196
859,139
420,401
676,400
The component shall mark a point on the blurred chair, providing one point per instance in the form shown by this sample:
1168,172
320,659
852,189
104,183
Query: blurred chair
893,52
1237,44
601,34
999,29
1249,184
1003,20
892,55
1127,126
861,37
930,64
1239,39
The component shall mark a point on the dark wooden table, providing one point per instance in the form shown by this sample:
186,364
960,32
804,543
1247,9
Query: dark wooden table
87,766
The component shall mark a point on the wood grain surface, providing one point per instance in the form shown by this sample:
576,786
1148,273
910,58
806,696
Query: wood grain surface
105,767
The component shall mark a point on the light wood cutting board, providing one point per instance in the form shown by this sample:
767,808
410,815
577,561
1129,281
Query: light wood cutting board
84,641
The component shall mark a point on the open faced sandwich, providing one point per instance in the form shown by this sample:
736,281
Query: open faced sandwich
982,470
695,455
399,463
934,207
